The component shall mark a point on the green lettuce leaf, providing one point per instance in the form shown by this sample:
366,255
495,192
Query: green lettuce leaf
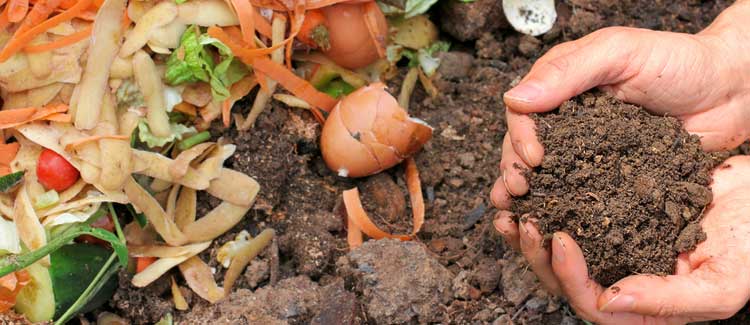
193,62
178,131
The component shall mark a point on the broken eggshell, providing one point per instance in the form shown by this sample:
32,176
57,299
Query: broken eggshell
368,132
531,17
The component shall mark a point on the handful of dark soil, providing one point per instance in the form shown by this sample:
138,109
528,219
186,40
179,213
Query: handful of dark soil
630,187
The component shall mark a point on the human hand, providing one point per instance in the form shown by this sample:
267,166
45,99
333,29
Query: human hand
710,282
700,79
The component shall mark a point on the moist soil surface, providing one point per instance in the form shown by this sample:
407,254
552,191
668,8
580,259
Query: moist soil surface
630,187
309,277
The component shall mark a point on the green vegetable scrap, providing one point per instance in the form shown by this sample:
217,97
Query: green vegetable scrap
46,200
337,88
178,132
9,182
424,58
192,61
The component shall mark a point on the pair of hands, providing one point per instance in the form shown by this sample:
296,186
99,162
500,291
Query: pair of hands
701,79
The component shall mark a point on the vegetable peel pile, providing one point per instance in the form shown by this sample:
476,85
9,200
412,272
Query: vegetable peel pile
106,132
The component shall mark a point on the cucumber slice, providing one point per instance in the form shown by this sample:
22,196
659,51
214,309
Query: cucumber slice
36,300
73,268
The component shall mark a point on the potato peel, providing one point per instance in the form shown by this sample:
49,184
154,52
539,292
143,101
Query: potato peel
162,265
201,280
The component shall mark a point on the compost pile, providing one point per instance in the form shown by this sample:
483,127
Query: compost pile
630,187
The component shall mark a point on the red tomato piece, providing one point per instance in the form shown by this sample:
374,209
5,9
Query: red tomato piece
54,172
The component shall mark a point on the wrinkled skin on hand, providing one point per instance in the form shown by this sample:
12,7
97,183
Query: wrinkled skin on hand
700,79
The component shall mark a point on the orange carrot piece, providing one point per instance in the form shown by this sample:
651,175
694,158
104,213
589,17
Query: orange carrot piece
143,262
89,15
357,218
311,4
262,25
10,286
41,10
8,152
313,19
10,116
353,235
19,41
61,42
17,10
80,142
226,109
4,22
294,84
246,16
15,117
415,193
59,117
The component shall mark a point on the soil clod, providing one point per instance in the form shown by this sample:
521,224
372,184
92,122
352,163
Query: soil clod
630,187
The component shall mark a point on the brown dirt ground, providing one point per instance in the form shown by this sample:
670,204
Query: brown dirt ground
300,196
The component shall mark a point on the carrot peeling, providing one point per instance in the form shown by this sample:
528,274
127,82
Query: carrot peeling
17,10
10,287
61,42
15,117
260,63
226,109
80,142
143,262
359,221
8,152
246,15
19,41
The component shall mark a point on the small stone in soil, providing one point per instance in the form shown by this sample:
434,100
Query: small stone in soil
383,269
455,65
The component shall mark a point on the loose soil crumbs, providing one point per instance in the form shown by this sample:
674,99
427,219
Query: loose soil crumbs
629,187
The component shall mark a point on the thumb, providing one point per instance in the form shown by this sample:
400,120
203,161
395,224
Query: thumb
702,294
601,58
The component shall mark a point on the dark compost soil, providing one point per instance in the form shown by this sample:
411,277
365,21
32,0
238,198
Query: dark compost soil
474,277
629,187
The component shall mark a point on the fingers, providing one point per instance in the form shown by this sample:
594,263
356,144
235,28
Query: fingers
505,225
584,66
570,268
526,145
512,168
538,256
713,291
499,196
733,130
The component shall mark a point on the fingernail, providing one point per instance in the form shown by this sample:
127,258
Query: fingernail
619,303
525,229
559,254
525,92
526,154
498,227
505,182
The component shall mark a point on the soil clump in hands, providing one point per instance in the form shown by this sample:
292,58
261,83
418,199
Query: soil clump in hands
628,186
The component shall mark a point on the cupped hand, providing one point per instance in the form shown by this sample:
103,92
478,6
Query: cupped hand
700,79
711,282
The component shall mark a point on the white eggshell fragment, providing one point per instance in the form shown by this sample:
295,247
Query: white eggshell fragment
531,17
